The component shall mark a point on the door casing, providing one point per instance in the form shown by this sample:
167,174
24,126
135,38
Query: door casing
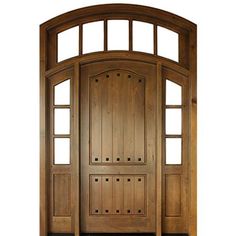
50,67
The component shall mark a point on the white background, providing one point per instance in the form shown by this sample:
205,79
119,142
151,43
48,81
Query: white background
19,109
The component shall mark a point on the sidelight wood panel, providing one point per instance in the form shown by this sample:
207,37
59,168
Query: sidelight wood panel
61,195
173,195
61,220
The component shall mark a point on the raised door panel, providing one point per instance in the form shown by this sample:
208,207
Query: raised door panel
116,117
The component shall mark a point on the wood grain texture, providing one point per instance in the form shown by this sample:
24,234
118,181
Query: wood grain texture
117,101
159,149
129,122
139,100
193,134
118,192
96,194
107,118
118,118
44,178
95,120
133,195
107,195
173,195
129,195
118,195
75,151
61,195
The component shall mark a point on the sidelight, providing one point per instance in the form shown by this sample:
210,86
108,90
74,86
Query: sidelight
62,93
173,121
61,116
173,151
61,121
62,151
173,93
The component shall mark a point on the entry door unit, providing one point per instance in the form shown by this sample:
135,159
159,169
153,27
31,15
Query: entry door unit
118,122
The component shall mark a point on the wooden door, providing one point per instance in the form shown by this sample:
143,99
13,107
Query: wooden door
118,154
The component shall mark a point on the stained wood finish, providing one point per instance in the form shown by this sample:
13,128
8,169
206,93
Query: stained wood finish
60,185
164,201
175,177
118,160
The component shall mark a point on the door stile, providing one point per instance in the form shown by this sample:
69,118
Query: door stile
75,152
159,146
43,138
192,168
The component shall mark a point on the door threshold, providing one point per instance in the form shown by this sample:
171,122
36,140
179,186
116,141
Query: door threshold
114,234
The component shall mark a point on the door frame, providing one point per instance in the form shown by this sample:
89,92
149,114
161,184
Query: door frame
49,66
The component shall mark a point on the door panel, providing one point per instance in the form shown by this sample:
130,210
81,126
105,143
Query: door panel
118,155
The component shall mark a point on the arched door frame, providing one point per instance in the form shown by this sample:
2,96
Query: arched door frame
49,66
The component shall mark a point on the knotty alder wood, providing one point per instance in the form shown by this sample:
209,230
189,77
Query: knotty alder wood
175,177
133,97
166,193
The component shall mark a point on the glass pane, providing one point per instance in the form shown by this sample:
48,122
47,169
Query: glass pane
93,37
173,121
62,151
173,93
168,43
118,34
68,44
62,93
62,121
142,37
173,151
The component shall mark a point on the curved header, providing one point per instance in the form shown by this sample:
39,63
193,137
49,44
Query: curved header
133,15
153,14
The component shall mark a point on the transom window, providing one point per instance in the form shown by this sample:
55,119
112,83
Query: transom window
118,34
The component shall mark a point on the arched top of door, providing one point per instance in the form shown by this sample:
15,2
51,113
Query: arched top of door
132,14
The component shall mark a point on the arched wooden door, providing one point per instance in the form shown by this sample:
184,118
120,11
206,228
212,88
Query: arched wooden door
118,122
